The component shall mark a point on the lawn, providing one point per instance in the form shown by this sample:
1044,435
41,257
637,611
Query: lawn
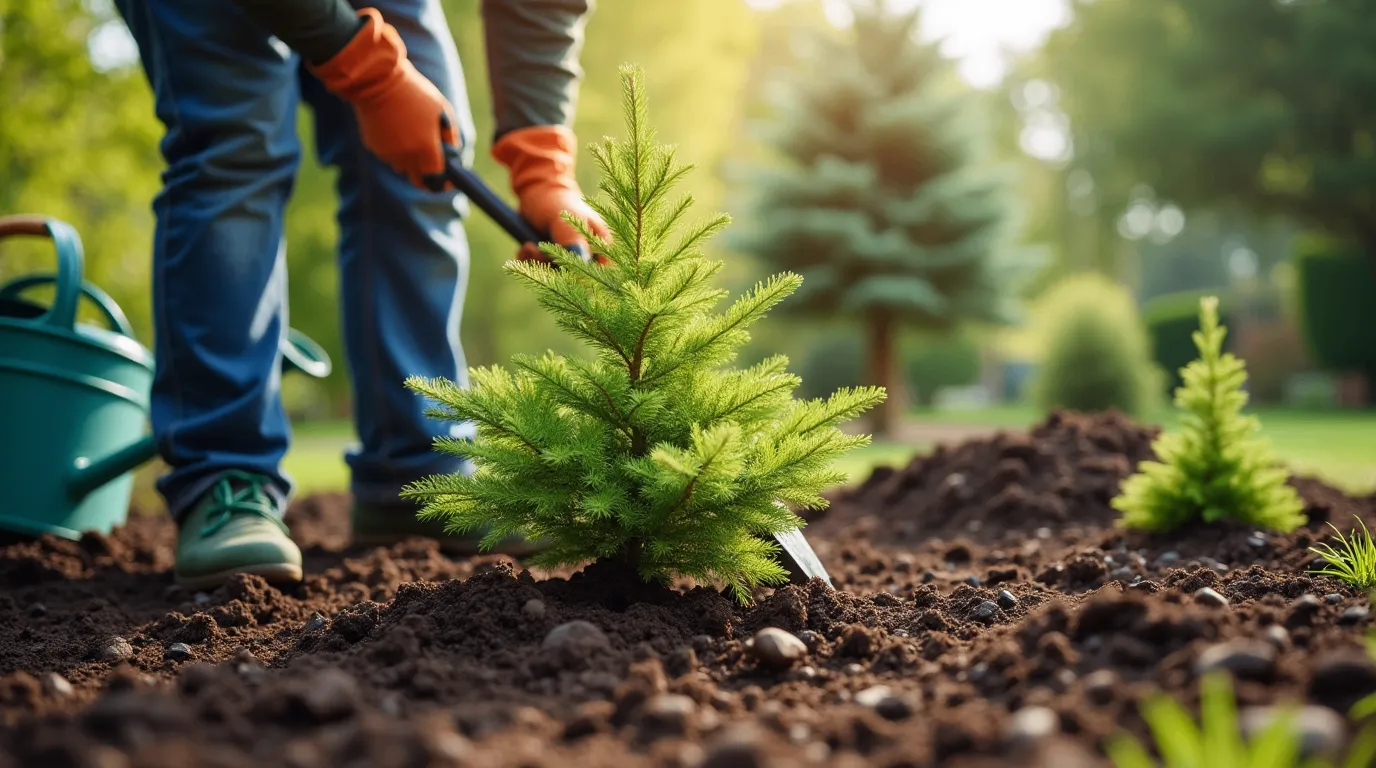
1339,446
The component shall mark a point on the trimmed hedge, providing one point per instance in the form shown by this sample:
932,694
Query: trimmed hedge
1171,320
1337,304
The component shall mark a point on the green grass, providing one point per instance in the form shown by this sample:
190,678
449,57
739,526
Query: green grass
1353,559
1338,446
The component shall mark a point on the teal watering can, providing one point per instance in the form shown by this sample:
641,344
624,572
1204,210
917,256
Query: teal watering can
74,398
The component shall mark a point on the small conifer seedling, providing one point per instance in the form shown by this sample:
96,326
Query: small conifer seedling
652,450
1215,466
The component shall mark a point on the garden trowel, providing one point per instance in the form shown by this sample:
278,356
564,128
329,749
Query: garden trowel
802,563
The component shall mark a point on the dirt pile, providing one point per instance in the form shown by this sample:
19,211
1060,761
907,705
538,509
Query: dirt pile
951,647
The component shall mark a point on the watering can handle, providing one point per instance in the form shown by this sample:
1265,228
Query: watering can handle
115,316
70,261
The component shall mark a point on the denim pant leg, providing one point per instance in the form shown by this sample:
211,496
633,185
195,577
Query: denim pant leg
403,270
226,94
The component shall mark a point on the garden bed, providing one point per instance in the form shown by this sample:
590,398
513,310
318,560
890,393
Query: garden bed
982,581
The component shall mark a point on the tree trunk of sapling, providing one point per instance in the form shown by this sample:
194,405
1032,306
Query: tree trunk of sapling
880,327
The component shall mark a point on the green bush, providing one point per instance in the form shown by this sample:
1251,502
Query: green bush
935,363
1171,320
1336,290
1095,353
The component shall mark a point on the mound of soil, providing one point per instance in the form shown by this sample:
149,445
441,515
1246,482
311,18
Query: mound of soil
948,645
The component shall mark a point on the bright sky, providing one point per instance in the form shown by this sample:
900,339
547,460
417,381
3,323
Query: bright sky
975,30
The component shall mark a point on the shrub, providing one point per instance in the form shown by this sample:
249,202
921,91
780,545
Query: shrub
1094,350
936,363
1337,313
651,451
1171,320
1214,467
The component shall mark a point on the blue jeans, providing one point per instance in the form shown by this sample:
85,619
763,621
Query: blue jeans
228,94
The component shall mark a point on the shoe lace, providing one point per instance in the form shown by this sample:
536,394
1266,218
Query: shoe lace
248,497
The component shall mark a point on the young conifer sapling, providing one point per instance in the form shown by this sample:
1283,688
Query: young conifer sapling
651,450
1215,466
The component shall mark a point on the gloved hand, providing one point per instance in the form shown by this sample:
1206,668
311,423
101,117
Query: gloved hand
398,110
540,159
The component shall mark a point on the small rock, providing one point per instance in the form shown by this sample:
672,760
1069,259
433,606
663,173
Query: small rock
928,577
201,598
178,652
1321,730
776,649
332,694
1122,574
1277,635
1245,658
986,610
116,649
534,609
316,621
668,714
1209,597
813,640
1100,685
972,581
1333,598
1168,559
390,704
893,708
1006,600
1256,540
852,669
1043,533
38,610
739,746
57,685
1355,615
870,697
1340,679
1302,611
574,636
1032,724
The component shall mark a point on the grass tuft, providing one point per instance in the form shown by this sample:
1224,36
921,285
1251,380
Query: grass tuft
1353,560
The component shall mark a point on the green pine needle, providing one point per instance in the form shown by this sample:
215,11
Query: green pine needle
1216,467
651,449
1353,560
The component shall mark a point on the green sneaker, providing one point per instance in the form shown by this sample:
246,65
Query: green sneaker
382,525
235,528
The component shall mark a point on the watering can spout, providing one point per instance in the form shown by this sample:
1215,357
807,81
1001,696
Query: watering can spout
91,474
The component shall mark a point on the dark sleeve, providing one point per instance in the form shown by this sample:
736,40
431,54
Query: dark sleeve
532,60
316,29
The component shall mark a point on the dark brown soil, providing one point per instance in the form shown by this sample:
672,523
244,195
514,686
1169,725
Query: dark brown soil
958,603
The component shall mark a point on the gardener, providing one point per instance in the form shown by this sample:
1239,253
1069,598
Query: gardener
226,78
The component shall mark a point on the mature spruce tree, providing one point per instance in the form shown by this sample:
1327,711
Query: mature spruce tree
885,200
653,451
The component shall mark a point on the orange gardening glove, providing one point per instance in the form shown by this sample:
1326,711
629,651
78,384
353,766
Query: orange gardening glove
540,159
398,110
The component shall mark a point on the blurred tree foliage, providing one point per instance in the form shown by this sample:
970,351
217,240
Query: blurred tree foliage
76,144
80,143
885,199
1266,105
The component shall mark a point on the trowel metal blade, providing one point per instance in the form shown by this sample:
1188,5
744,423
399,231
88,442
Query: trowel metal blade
802,563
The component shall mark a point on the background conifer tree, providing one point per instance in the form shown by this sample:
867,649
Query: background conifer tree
653,450
885,202
1215,466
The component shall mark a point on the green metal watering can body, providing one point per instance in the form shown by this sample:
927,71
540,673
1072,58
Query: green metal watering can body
74,398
